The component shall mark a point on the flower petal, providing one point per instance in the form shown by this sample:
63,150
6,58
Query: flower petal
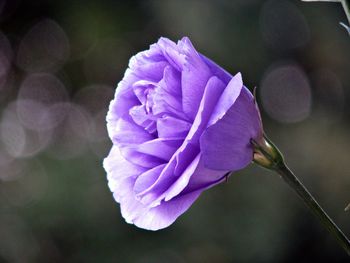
188,150
196,177
124,98
147,178
138,158
149,64
121,179
217,70
204,178
213,91
125,132
153,54
227,98
171,82
172,53
140,116
118,169
151,71
154,218
165,214
182,180
226,145
178,123
169,126
195,76
160,147
151,153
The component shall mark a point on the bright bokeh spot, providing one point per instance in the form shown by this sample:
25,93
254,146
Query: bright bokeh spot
44,48
286,94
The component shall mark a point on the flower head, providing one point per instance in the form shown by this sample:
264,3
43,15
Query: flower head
178,124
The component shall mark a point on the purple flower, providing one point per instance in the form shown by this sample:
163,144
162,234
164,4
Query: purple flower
178,124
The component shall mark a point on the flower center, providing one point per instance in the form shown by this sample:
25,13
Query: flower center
149,99
155,102
143,114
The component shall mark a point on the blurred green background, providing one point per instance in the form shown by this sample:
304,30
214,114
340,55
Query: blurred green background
59,64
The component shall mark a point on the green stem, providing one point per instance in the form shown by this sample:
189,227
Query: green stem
312,204
267,155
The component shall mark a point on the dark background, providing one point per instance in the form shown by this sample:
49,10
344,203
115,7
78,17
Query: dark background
59,64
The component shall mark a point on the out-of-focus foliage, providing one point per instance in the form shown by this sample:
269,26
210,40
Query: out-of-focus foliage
59,64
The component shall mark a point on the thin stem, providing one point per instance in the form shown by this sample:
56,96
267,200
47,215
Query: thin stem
267,155
346,7
305,195
347,208
344,3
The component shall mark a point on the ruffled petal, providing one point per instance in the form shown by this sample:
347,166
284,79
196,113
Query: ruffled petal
124,98
130,207
149,64
195,178
134,212
121,176
147,178
165,214
151,71
157,99
125,132
194,78
217,70
118,169
160,147
140,116
213,91
172,53
188,151
123,181
138,158
182,180
171,82
151,153
153,54
227,99
169,127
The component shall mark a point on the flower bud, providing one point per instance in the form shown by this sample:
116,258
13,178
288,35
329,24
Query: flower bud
266,154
